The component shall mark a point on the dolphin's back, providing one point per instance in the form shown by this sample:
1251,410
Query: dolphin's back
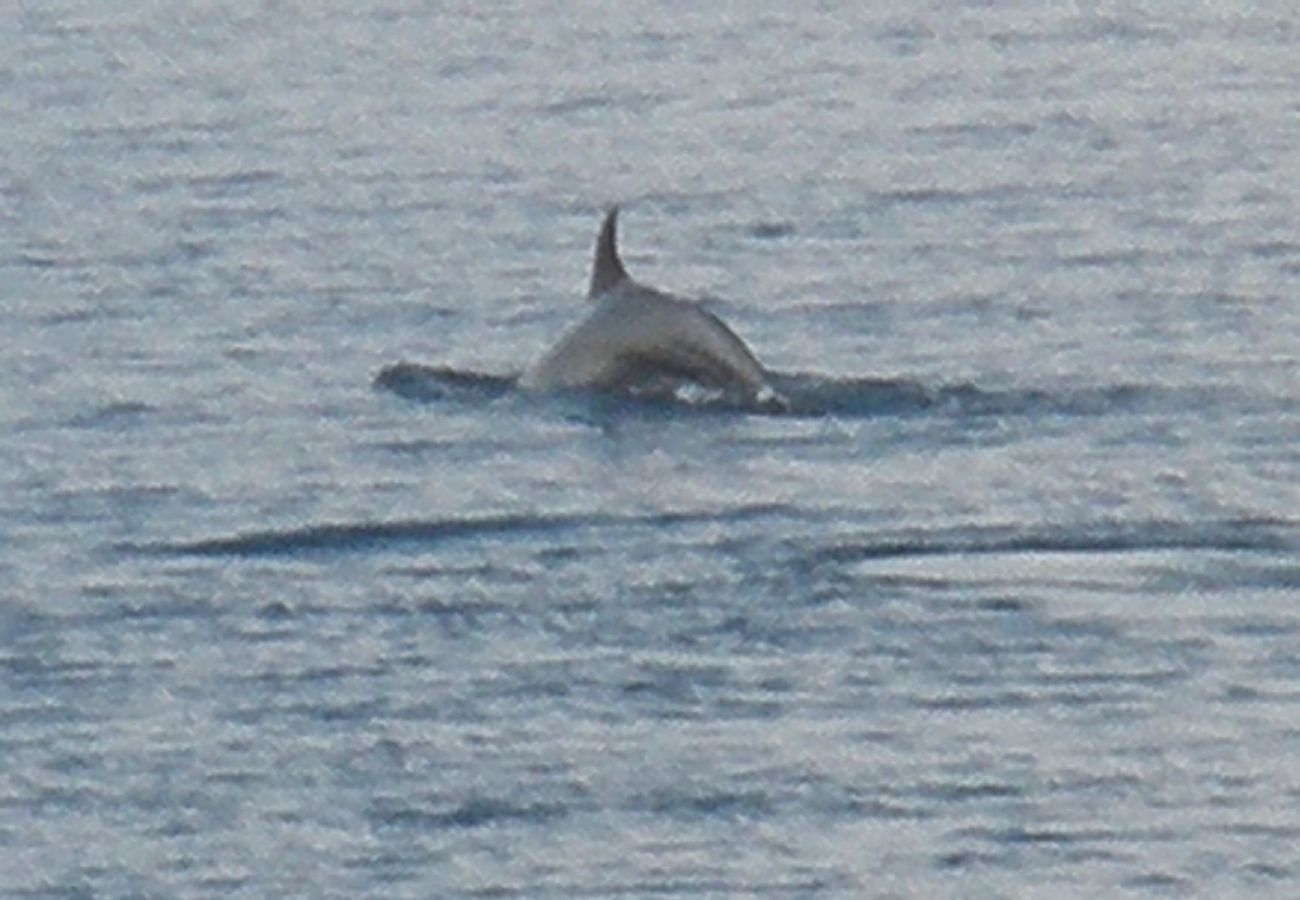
636,335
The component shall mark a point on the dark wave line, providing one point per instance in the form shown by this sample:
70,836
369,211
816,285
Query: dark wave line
352,537
1226,535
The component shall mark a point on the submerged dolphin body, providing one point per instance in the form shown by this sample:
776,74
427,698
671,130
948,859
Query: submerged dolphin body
639,337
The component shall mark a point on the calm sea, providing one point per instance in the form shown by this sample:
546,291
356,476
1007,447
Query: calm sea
298,597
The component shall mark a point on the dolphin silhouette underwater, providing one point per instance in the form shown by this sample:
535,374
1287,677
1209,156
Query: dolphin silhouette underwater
640,338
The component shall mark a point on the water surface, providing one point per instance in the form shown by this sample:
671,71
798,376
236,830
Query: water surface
299,596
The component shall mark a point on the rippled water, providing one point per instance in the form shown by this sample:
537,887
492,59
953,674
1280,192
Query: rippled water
298,596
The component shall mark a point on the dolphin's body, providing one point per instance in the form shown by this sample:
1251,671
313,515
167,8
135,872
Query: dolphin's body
640,337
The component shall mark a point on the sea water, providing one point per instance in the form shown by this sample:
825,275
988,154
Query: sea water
299,597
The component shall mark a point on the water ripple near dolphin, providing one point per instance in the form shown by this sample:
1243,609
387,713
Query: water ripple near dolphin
808,395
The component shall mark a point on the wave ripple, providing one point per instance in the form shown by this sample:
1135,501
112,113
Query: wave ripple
804,395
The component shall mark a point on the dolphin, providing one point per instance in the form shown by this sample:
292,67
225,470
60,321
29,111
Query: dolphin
637,337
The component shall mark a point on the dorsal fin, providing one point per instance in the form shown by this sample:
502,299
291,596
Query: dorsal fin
607,269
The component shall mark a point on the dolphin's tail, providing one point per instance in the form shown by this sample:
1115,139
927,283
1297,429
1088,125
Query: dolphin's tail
607,270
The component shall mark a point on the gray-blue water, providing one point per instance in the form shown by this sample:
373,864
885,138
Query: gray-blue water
292,603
